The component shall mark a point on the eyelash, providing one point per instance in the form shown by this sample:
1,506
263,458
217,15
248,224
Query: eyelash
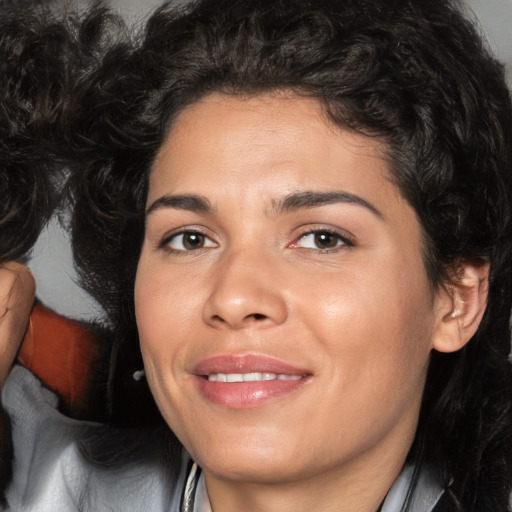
342,240
345,239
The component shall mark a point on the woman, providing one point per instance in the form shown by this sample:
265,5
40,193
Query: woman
302,214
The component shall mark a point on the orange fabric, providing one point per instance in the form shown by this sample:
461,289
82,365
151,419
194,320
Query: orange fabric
61,353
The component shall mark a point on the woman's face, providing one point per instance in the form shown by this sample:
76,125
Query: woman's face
284,311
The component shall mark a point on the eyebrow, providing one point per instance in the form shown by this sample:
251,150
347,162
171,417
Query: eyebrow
189,202
290,203
313,199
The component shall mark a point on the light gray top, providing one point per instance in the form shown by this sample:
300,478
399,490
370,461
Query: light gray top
50,472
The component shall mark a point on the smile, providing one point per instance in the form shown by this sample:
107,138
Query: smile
251,377
241,381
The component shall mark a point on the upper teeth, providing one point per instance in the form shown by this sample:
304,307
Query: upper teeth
250,377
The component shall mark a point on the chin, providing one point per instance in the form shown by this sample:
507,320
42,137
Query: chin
250,458
253,470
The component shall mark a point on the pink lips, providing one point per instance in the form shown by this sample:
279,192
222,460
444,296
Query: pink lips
242,395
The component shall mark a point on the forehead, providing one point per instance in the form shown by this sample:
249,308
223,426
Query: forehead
274,140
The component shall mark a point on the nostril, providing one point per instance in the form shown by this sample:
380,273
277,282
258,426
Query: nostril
254,317
257,316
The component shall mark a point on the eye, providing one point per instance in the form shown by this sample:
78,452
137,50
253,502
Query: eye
322,240
188,241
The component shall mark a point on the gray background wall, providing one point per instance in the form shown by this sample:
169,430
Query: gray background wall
51,260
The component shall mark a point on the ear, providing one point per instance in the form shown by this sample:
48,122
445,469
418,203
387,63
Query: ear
460,307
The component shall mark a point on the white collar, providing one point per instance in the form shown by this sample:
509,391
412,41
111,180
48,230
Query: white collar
427,493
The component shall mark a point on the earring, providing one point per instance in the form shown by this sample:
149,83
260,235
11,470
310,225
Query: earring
138,375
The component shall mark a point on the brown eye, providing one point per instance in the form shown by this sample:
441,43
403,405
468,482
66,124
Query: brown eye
321,240
189,241
326,240
193,241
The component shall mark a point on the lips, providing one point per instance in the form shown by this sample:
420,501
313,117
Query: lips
247,381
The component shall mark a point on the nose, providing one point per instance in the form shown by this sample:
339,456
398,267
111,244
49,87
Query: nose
245,294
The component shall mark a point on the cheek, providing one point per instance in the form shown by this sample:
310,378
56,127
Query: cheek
379,323
165,304
154,300
163,309
376,341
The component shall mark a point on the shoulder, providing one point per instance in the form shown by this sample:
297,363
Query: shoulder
51,467
45,454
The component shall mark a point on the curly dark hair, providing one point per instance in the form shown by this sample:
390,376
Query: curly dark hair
26,111
413,73
42,56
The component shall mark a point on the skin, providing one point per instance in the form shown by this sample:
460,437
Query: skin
360,315
17,289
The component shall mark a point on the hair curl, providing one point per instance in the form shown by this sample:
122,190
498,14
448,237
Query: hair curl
25,107
413,73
